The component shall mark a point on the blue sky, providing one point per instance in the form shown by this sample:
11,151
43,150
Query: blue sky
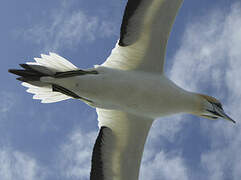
54,141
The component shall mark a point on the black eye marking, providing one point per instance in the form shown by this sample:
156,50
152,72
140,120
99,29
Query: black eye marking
219,105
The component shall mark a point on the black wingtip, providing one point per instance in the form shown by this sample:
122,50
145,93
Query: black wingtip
14,71
21,79
24,73
10,70
25,66
97,170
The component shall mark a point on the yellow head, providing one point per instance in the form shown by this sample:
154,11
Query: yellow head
212,108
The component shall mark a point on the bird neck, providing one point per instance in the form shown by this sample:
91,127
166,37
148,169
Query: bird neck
192,102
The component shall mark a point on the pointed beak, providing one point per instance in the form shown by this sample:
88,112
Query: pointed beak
216,112
221,114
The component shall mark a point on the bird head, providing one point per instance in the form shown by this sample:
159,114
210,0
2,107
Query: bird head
212,109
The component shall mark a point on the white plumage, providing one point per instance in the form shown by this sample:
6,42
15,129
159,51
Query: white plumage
54,63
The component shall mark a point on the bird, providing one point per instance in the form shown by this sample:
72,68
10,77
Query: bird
129,91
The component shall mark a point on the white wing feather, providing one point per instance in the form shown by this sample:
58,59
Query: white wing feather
54,63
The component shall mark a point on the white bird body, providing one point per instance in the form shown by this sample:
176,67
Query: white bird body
144,94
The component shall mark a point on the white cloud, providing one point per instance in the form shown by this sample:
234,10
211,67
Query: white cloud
157,163
167,128
164,166
7,101
75,155
66,28
209,61
17,165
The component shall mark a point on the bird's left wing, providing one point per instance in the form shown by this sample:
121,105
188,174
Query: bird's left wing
145,30
119,146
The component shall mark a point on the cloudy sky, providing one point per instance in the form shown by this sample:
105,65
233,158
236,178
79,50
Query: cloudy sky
54,141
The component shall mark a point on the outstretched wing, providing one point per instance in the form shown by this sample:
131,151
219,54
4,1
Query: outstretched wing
144,34
119,146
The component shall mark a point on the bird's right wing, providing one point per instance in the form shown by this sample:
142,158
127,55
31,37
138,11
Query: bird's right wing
119,146
145,30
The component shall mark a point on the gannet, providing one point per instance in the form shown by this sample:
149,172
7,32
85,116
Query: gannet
129,90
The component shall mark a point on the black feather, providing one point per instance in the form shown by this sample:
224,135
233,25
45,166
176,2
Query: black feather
23,73
96,161
130,9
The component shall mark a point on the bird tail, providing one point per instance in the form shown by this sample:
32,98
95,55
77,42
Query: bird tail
50,66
